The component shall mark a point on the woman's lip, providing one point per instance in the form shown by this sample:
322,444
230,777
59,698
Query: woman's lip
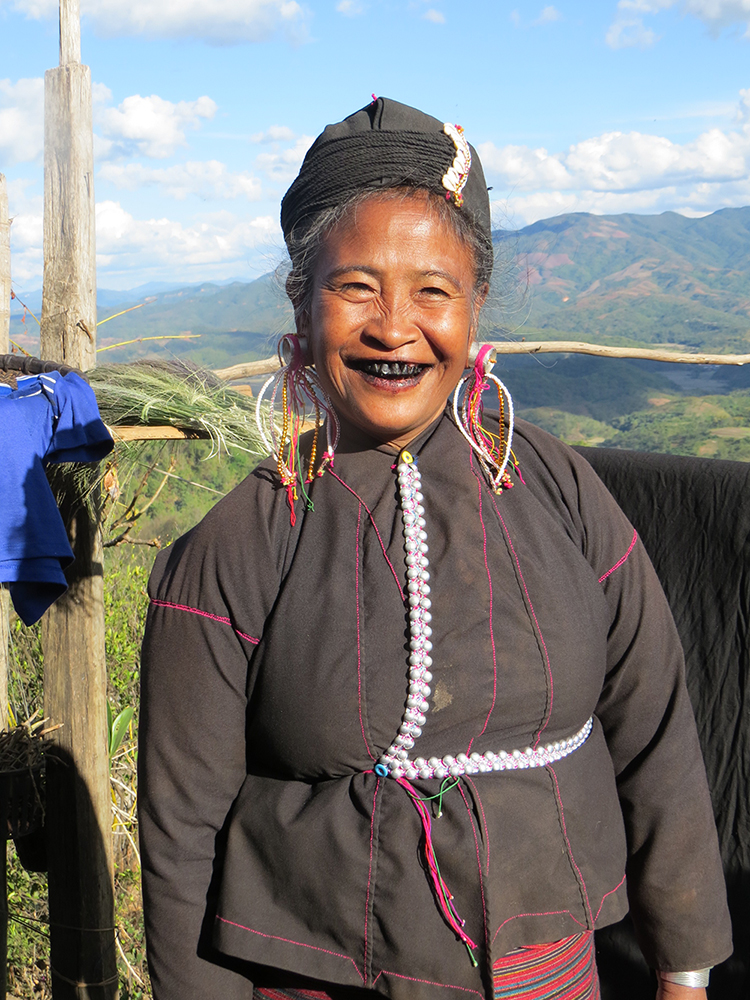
393,385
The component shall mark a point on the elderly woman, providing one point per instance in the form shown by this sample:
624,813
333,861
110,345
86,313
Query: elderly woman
414,720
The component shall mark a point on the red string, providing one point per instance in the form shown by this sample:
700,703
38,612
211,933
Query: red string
442,892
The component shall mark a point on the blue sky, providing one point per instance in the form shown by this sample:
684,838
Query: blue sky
203,110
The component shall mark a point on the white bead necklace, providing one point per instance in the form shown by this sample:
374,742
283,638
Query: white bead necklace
396,762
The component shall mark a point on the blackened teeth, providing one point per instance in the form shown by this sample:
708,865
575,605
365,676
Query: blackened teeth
390,369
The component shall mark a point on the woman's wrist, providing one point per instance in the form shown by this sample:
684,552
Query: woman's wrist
697,979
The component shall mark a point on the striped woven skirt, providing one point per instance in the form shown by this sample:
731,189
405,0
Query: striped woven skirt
562,970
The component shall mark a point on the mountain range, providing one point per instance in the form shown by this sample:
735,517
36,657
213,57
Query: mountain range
621,279
627,279
647,279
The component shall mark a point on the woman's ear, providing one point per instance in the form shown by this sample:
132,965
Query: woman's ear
480,298
302,326
301,318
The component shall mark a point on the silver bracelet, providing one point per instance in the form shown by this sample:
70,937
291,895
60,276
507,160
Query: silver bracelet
698,979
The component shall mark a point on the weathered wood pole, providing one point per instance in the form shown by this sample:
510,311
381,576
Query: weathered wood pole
4,349
79,839
4,594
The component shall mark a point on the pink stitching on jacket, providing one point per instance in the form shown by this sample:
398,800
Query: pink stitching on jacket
545,913
479,868
489,582
484,820
359,645
275,937
372,521
545,722
555,913
567,844
427,982
608,894
205,614
369,870
622,560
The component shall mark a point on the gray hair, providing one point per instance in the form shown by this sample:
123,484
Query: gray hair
305,241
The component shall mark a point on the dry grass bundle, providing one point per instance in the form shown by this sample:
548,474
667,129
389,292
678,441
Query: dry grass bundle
177,394
157,394
25,747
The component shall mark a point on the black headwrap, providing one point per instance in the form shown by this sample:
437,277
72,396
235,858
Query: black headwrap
386,145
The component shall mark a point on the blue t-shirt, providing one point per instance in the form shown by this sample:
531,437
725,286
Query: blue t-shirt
48,418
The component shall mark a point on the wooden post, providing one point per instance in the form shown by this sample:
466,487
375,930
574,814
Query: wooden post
4,594
4,349
78,819
70,32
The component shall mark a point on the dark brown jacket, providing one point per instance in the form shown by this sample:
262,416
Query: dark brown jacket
274,674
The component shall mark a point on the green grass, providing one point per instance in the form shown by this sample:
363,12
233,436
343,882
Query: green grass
28,932
126,571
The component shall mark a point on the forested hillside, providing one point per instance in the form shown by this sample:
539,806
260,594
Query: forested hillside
621,279
649,279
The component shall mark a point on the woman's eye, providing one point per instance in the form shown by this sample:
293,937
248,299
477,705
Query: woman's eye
434,291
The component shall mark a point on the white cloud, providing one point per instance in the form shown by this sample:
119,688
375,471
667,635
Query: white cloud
695,202
548,15
217,22
21,120
149,126
434,15
628,33
276,133
25,206
205,179
743,111
617,161
719,13
634,171
283,166
218,244
164,247
628,28
350,8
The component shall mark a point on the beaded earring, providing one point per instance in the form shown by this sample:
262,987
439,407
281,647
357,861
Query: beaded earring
300,391
494,451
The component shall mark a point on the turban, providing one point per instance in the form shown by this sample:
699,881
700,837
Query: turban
387,145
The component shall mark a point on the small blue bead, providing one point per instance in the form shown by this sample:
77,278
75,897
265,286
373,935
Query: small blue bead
381,770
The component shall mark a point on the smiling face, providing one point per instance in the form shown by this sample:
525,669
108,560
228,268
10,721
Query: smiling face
392,314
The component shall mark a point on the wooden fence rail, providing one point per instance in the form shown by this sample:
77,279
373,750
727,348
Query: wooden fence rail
269,365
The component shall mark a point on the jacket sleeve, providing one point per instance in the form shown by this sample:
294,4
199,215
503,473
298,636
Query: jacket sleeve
210,595
191,765
675,879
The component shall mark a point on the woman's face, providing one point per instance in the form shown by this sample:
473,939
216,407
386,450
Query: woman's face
392,315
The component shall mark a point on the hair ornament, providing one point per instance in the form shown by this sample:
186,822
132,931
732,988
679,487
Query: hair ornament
301,393
494,451
456,176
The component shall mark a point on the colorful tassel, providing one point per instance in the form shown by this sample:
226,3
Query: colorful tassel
443,894
300,390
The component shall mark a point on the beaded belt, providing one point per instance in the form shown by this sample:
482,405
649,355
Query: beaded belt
396,762
476,763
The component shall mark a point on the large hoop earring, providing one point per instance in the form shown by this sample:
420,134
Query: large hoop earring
301,392
494,451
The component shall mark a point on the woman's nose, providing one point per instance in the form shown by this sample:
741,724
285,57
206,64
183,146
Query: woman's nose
392,324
